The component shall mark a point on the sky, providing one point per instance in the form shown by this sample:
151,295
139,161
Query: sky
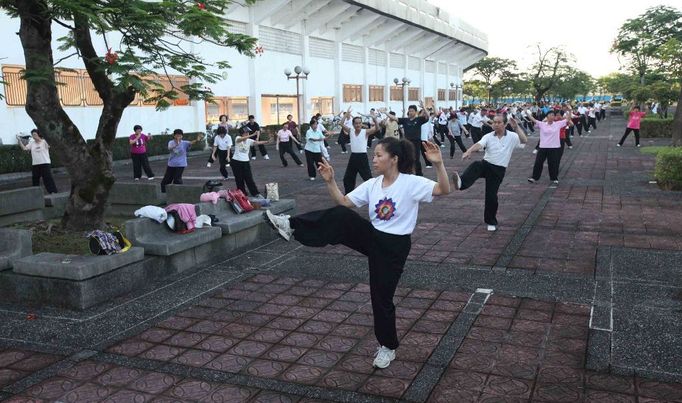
584,29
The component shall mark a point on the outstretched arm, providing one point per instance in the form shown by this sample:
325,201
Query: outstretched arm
327,172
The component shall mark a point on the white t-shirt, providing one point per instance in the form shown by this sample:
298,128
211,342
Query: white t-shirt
223,143
582,110
314,146
241,150
358,142
283,136
40,152
499,151
478,120
427,131
393,209
443,119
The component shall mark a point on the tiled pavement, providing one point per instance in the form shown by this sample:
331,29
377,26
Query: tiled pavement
302,330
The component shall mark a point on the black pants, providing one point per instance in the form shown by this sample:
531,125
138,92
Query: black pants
43,171
298,144
603,113
243,176
627,133
343,140
475,134
357,164
286,147
173,175
529,126
140,162
417,156
591,122
422,151
261,148
597,116
386,254
442,130
222,158
583,123
579,126
493,175
553,156
311,160
458,140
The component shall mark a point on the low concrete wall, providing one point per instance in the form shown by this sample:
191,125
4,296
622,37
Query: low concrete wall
125,198
21,205
14,244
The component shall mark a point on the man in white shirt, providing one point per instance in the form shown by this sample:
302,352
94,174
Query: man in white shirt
477,123
582,110
499,145
591,118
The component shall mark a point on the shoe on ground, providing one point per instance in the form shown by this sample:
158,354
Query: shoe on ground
253,158
137,179
312,179
151,178
226,178
555,182
492,228
267,157
535,151
531,180
442,146
638,145
383,357
570,147
429,166
300,151
280,223
618,145
300,165
456,180
208,165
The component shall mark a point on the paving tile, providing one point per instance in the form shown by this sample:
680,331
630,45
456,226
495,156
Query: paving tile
304,374
508,387
232,394
11,356
126,396
162,353
195,358
557,393
154,383
600,396
387,387
249,348
9,376
265,368
88,392
85,370
228,363
35,362
52,389
285,353
218,344
119,377
343,380
319,358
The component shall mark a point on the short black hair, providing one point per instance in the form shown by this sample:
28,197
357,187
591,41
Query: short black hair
357,117
391,113
136,127
222,116
36,131
413,107
251,117
221,130
177,131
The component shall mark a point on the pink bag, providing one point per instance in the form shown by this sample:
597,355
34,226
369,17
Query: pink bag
210,197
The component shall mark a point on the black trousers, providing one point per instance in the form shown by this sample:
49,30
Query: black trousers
311,160
603,113
244,176
43,171
417,156
579,126
583,124
357,164
173,175
422,151
286,147
298,145
261,148
627,133
386,254
597,116
475,134
222,158
553,157
591,122
458,140
343,140
493,175
140,162
442,130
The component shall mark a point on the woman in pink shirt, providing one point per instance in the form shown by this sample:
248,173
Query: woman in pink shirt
550,146
138,152
633,125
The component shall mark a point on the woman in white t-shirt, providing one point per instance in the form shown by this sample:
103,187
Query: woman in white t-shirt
314,143
393,199
40,160
222,143
284,139
241,167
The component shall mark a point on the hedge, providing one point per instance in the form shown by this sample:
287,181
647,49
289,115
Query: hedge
656,127
14,159
668,171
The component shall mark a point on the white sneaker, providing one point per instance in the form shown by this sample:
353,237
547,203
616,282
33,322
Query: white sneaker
570,147
137,179
208,165
253,158
492,228
442,146
280,223
535,151
384,356
617,144
531,180
150,178
457,180
637,145
300,151
267,157
555,182
429,166
312,179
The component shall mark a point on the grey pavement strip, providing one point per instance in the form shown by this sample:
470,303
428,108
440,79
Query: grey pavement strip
431,372
210,375
517,240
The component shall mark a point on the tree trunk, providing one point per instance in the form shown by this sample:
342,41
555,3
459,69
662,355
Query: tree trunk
89,167
677,123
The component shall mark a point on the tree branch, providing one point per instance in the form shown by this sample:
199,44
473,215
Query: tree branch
93,64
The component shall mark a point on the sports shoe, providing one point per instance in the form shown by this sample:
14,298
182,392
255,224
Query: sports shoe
300,151
618,145
384,356
535,151
638,145
442,146
137,179
429,166
300,165
555,182
267,157
492,228
456,180
253,158
280,223
531,180
208,165
570,147
312,179
151,178
226,178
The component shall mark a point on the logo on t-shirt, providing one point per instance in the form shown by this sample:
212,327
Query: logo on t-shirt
385,209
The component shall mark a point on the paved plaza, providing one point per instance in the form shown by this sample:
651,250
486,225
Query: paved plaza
577,297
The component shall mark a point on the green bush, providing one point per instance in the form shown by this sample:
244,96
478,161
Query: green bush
656,127
668,170
14,159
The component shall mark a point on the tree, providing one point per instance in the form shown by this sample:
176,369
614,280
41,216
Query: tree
475,88
573,82
493,68
550,66
650,43
153,35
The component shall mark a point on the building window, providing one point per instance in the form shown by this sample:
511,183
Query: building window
323,105
352,93
396,93
428,102
237,108
413,94
376,93
441,95
452,95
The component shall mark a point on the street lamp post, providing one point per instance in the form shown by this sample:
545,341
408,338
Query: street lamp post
456,87
490,88
300,73
404,83
509,89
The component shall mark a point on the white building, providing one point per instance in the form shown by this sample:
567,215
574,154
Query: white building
353,50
